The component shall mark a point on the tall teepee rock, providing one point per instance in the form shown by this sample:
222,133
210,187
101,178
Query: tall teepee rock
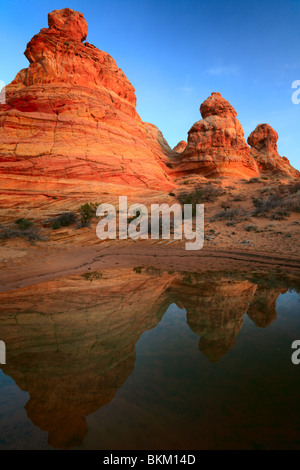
216,144
72,114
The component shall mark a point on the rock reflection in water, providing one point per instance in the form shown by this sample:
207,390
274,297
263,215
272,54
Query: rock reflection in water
71,342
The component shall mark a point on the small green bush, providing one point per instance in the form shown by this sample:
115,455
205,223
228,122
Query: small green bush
64,220
93,276
87,212
23,224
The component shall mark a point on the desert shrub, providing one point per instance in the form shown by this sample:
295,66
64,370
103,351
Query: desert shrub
194,197
93,276
30,233
294,188
264,206
7,232
251,228
277,205
56,225
169,165
210,193
87,212
200,195
187,278
64,220
280,214
154,271
232,215
23,224
172,194
292,202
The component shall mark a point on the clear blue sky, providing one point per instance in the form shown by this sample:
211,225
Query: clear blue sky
175,53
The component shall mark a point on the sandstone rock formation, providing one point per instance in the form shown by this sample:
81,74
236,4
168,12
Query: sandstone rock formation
72,115
69,22
216,144
263,141
180,147
70,120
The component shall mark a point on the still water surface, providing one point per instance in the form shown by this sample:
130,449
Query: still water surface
147,360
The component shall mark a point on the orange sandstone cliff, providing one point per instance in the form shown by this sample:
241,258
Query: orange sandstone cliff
216,145
263,141
70,127
72,114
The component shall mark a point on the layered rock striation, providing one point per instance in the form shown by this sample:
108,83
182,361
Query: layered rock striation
72,114
216,145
